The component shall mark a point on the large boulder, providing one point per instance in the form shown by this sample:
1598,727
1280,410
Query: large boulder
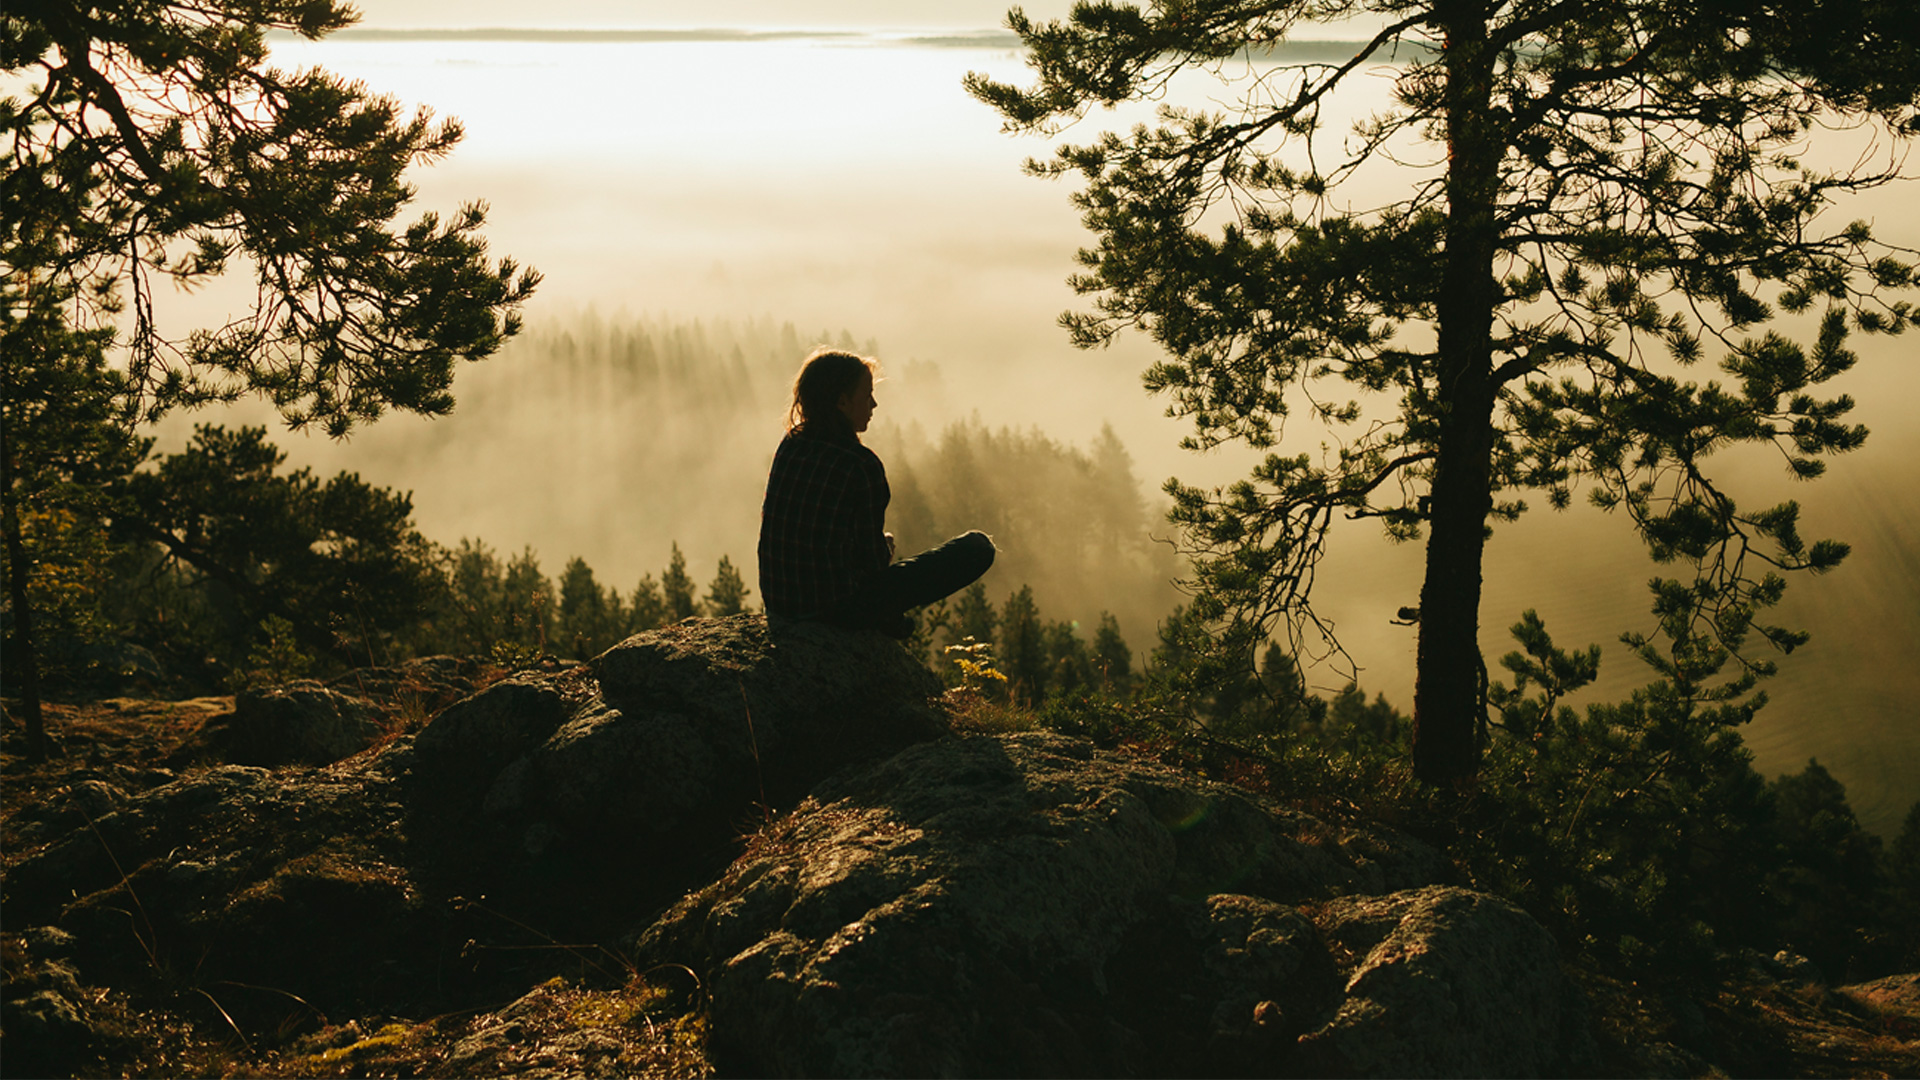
306,722
299,723
673,742
1446,982
1026,905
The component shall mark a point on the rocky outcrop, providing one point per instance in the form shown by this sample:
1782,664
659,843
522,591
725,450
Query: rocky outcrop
1896,996
1446,982
1028,905
236,872
563,796
937,903
44,1009
671,743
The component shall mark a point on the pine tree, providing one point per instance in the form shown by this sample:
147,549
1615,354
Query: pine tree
677,589
64,442
153,143
338,560
648,609
529,603
728,593
157,143
1022,647
590,618
474,616
1069,664
1612,193
974,616
1903,858
1111,658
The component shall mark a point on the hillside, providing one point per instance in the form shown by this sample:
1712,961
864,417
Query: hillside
710,850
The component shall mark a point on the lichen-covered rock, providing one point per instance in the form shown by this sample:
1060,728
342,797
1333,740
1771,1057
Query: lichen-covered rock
665,744
1446,982
1894,995
467,745
413,689
418,865
235,872
787,705
66,809
1024,905
300,723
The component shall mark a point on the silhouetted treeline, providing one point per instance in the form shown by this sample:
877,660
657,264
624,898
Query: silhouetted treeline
1037,657
510,608
609,436
1070,524
224,562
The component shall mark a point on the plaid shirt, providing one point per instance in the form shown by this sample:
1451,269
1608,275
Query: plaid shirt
823,525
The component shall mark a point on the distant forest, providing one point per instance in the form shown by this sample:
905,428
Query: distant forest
627,435
631,434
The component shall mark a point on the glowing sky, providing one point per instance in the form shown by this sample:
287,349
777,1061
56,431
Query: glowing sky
968,14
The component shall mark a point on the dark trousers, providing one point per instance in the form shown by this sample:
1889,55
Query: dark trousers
932,575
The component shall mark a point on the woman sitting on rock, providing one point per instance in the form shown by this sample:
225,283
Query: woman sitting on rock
825,554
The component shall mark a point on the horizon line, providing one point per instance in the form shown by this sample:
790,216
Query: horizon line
657,34
929,37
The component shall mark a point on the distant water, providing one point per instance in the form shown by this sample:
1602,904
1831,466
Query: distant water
842,180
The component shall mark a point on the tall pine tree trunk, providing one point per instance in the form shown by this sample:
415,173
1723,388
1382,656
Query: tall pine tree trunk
1447,701
22,667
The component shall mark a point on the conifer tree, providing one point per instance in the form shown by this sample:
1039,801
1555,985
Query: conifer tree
648,609
1112,660
529,602
1593,199
1903,858
152,143
474,615
974,616
677,589
63,444
728,593
338,560
1021,651
1069,665
590,617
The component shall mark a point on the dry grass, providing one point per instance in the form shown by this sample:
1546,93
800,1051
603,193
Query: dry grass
972,711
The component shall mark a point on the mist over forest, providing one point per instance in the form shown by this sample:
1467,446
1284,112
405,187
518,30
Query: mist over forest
725,215
615,438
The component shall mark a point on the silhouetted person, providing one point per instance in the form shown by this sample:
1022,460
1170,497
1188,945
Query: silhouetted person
825,554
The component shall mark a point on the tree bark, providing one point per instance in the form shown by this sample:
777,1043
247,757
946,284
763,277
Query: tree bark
22,667
1447,699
